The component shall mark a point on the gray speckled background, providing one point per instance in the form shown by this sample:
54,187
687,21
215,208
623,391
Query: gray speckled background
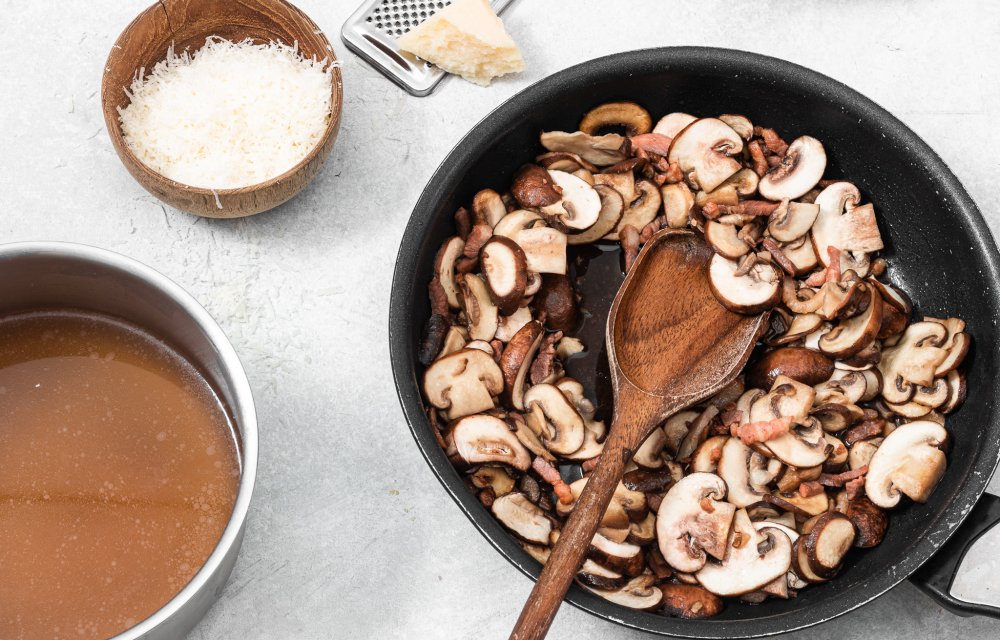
350,536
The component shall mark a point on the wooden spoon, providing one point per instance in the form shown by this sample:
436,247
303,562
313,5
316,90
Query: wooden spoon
670,344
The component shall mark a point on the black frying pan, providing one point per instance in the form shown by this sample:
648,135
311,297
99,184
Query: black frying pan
938,247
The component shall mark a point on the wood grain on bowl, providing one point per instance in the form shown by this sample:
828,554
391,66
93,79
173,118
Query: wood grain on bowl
185,24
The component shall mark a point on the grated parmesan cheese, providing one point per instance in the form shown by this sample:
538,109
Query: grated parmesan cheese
231,115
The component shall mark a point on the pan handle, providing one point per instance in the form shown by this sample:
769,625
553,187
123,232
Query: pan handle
936,576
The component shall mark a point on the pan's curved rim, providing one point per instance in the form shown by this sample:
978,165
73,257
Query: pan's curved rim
403,291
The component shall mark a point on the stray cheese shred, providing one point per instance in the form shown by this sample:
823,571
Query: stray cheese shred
233,114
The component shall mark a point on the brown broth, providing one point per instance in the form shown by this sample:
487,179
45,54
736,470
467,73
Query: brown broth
118,474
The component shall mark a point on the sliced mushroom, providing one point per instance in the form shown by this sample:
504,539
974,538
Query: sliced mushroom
828,541
483,438
801,325
516,359
956,392
800,170
801,254
908,462
564,161
811,505
623,183
480,310
618,556
455,339
676,428
640,211
753,559
618,513
861,452
489,207
706,457
612,209
757,291
724,240
870,522
912,361
579,207
697,432
724,194
508,326
792,220
648,455
600,150
506,270
444,268
553,417
544,249
852,335
690,601
642,532
493,477
523,518
640,593
734,468
704,151
463,383
845,225
557,300
677,203
672,124
800,364
629,115
740,124
693,519
792,477
594,575
534,187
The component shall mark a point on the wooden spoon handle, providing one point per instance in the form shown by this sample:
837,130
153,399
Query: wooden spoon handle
569,552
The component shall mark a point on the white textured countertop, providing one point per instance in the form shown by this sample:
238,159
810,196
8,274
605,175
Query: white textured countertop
350,535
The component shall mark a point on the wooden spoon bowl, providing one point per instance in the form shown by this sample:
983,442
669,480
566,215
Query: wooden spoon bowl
186,24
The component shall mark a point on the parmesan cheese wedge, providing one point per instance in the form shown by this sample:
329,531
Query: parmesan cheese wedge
468,39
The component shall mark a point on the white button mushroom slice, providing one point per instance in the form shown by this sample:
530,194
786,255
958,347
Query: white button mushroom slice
506,271
677,204
600,150
564,161
851,335
792,580
628,115
724,194
494,477
455,339
463,383
792,220
740,124
753,559
619,556
483,438
516,221
612,210
933,396
639,593
758,290
580,204
801,325
724,240
956,392
704,149
843,224
787,398
672,123
803,446
693,519
487,205
523,518
642,532
640,211
706,457
908,462
734,468
622,183
444,267
912,361
554,418
482,345
960,343
544,248
800,169
480,310
516,359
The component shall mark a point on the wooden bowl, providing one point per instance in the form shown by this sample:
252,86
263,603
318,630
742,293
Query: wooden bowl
186,24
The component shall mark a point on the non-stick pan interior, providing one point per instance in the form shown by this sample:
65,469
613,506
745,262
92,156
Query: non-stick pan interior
938,248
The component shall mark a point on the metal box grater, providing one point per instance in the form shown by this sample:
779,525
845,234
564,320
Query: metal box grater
372,30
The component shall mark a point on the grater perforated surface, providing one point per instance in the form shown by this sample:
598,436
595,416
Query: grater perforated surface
372,30
396,18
